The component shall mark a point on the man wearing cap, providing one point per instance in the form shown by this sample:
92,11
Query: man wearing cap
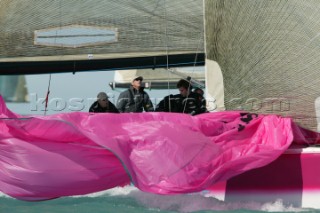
134,99
103,104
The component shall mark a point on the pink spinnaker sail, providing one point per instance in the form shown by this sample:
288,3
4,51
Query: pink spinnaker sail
44,157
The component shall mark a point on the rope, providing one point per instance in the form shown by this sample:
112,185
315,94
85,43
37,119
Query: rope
194,65
185,103
167,52
16,118
47,96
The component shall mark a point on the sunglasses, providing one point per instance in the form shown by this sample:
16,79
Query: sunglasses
103,99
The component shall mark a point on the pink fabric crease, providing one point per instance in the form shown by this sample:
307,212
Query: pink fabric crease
44,157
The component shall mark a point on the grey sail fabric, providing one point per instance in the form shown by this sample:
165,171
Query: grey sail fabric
269,54
35,30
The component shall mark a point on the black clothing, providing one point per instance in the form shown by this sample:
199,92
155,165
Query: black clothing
193,104
95,107
164,105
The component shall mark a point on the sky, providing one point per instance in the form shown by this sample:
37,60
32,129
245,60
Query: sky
71,92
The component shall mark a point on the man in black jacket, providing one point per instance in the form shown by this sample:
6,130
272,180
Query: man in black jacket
103,104
185,102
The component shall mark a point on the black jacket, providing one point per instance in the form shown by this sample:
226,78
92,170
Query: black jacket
95,107
193,104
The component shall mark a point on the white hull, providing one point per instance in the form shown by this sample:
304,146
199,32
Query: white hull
293,178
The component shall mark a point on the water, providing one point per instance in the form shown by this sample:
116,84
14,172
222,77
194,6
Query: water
129,199
65,87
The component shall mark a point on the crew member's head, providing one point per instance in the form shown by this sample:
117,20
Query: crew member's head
136,82
184,87
102,99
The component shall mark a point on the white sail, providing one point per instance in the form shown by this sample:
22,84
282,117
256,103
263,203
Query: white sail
268,52
214,87
80,35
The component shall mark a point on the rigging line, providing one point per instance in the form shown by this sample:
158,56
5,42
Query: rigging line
194,65
166,34
9,118
199,43
49,84
47,96
189,91
198,50
167,51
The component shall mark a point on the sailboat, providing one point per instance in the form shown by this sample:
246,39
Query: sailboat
260,58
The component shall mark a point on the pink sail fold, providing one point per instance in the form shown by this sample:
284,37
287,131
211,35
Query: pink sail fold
45,157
